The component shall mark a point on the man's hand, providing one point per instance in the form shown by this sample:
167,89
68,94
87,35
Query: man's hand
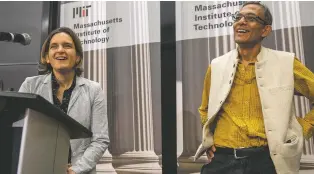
210,153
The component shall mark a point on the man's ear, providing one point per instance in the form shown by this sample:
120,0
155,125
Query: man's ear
267,30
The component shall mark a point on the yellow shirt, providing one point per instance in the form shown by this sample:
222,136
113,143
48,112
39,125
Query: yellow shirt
240,120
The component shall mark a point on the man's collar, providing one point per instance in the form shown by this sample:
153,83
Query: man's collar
259,56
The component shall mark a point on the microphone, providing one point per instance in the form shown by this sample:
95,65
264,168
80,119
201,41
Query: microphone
24,38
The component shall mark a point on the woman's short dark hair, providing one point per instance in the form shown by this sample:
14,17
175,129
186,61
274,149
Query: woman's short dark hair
44,67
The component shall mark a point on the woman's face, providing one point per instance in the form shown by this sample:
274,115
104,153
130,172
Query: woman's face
62,53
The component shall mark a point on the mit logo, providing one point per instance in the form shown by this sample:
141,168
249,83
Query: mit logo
81,11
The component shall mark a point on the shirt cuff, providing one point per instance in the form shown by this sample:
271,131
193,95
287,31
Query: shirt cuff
76,170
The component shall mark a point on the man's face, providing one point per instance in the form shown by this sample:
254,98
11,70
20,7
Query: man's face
62,53
250,31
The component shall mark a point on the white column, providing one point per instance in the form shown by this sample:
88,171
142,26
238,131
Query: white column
133,140
191,130
189,90
105,164
190,139
95,68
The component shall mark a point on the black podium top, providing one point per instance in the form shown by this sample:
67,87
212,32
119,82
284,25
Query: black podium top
18,100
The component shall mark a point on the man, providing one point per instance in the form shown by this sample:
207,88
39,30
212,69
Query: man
80,98
247,110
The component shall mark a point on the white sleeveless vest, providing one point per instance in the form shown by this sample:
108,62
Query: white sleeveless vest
275,81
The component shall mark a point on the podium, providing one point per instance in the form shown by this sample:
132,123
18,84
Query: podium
40,145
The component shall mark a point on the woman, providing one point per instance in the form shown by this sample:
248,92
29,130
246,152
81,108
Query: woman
80,98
